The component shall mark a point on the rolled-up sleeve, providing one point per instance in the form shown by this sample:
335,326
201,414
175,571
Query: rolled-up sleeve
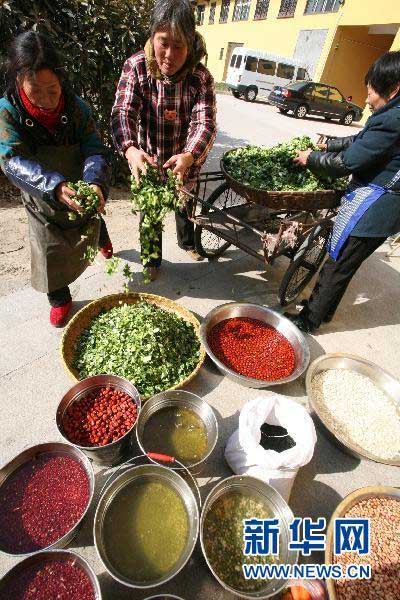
203,126
126,109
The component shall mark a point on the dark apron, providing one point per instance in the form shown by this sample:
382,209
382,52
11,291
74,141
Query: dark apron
58,244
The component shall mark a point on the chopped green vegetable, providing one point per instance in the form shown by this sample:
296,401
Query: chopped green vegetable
90,254
85,197
273,168
223,538
112,265
154,198
152,347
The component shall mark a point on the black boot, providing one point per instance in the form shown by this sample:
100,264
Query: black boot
302,321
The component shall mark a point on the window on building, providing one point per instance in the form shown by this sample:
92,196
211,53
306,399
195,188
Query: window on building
321,92
335,95
287,8
221,54
261,9
251,64
241,10
223,16
301,74
212,13
321,6
285,71
201,8
266,67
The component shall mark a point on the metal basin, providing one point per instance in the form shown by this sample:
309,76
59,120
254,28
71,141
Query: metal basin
382,379
180,399
146,473
268,495
55,449
44,556
112,453
164,597
271,317
378,491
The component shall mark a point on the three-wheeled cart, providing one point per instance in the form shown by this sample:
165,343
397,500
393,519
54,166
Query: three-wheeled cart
265,224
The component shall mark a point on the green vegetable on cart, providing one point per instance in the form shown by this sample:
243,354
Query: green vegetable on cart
273,168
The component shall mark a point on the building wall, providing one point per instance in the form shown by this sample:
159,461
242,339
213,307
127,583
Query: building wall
350,45
367,12
353,51
278,35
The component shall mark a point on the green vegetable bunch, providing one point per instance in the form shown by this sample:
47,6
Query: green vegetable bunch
273,168
152,347
154,198
86,198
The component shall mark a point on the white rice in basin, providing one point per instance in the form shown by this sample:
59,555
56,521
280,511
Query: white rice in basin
357,410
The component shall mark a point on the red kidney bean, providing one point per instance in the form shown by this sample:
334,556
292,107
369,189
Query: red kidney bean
64,580
101,417
252,348
41,502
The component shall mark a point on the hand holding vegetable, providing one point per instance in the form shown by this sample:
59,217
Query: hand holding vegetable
88,198
180,163
102,203
301,157
138,161
65,195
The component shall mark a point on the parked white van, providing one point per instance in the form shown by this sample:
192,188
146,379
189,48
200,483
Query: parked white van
255,72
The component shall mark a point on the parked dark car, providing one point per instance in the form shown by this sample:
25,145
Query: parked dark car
309,98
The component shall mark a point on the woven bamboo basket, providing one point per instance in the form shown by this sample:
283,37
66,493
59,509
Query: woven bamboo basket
282,200
82,319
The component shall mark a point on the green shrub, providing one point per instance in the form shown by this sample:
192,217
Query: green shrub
95,36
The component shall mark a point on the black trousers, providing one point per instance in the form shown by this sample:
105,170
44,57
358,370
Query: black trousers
184,234
336,275
63,295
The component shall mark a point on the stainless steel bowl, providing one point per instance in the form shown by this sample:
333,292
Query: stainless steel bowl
145,473
181,399
55,449
112,453
382,379
271,317
268,495
164,597
376,491
42,557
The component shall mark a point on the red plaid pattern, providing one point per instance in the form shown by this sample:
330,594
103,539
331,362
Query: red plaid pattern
164,118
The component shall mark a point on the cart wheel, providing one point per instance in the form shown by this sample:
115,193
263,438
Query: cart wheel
305,263
207,243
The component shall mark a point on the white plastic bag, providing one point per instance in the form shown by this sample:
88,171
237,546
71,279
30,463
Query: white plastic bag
246,456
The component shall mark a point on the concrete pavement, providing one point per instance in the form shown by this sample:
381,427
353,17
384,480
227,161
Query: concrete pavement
33,380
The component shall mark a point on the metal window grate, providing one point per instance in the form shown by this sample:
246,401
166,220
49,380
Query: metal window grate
200,14
261,9
287,8
212,13
321,6
223,16
241,10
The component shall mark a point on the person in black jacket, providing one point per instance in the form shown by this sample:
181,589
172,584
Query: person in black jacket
48,138
370,210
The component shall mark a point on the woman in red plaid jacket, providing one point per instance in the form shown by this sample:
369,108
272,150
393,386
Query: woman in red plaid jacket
164,112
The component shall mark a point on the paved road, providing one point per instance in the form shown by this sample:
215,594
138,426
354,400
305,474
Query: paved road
241,122
32,378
